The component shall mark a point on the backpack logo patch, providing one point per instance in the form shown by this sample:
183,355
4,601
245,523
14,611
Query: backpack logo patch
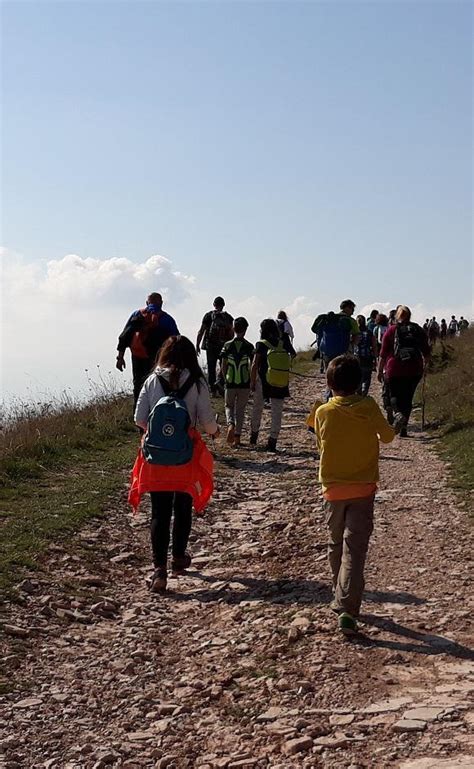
168,430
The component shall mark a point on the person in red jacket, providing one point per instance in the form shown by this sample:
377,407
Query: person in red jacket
404,354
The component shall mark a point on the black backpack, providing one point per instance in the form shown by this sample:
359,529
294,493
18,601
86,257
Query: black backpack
220,329
408,342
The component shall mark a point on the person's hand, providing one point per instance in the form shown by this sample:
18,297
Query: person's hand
120,363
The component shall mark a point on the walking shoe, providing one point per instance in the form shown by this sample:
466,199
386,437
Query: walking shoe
403,433
158,580
180,563
253,438
272,445
334,606
230,435
347,624
399,422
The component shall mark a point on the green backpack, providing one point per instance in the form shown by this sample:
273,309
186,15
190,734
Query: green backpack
238,367
279,363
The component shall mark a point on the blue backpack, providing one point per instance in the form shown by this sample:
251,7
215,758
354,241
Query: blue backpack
167,440
334,334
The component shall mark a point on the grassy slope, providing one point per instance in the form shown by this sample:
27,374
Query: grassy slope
57,471
450,409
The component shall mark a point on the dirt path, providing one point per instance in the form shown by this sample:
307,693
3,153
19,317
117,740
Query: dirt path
240,664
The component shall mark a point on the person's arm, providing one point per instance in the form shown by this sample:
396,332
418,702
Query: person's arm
143,408
205,413
374,346
223,360
133,324
254,371
385,431
384,352
205,326
317,430
287,345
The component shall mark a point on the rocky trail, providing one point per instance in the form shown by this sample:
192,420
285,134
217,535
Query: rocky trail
240,665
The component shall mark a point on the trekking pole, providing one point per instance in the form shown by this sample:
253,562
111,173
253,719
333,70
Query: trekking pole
423,399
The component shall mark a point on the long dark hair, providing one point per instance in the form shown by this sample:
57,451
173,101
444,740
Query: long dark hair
362,323
178,353
282,315
269,331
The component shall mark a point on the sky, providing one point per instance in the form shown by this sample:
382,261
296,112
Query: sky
282,154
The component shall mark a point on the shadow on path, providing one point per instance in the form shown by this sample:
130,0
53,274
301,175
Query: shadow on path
429,644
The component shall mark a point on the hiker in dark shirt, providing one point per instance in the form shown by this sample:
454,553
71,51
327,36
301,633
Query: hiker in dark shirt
145,332
216,329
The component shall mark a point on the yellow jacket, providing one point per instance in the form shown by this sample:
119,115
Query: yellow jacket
348,431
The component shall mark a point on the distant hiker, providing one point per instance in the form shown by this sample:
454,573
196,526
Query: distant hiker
433,331
392,317
443,329
381,326
216,329
145,332
269,379
348,429
453,326
236,358
336,333
285,325
366,353
174,465
405,351
372,320
426,326
463,325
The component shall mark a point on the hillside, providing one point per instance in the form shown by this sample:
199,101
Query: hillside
239,665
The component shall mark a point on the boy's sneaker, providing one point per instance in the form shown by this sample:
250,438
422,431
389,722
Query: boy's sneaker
253,439
158,580
179,564
347,624
230,435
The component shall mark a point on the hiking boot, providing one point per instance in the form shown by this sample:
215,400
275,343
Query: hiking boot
347,624
403,433
253,438
272,445
334,606
230,435
180,563
158,580
399,422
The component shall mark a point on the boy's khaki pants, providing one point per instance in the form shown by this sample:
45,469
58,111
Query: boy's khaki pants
350,522
236,400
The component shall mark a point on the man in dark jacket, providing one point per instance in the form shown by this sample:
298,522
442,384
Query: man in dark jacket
145,332
216,329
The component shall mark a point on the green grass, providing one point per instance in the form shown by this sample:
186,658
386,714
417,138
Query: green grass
450,409
58,470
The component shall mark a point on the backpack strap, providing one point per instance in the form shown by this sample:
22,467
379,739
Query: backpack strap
181,392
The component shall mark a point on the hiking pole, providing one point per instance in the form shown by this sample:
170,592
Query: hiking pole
423,399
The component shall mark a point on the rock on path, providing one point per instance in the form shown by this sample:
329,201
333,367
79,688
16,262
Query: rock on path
239,665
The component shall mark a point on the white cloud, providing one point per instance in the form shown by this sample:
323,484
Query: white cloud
63,316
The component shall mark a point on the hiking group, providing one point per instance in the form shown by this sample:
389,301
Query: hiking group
172,397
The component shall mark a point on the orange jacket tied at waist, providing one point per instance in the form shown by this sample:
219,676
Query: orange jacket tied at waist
195,477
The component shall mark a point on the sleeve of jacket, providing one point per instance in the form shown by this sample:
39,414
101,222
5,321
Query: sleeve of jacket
205,414
132,325
387,343
143,407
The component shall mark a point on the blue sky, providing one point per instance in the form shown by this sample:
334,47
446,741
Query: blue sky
272,150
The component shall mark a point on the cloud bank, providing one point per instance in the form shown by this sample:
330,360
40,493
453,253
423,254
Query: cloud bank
63,316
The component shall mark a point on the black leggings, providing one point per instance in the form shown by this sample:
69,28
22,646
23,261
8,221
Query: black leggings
401,391
163,505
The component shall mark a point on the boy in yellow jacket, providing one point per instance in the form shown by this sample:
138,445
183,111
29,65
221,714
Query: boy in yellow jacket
348,429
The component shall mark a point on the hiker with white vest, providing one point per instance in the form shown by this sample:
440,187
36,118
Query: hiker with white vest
269,379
